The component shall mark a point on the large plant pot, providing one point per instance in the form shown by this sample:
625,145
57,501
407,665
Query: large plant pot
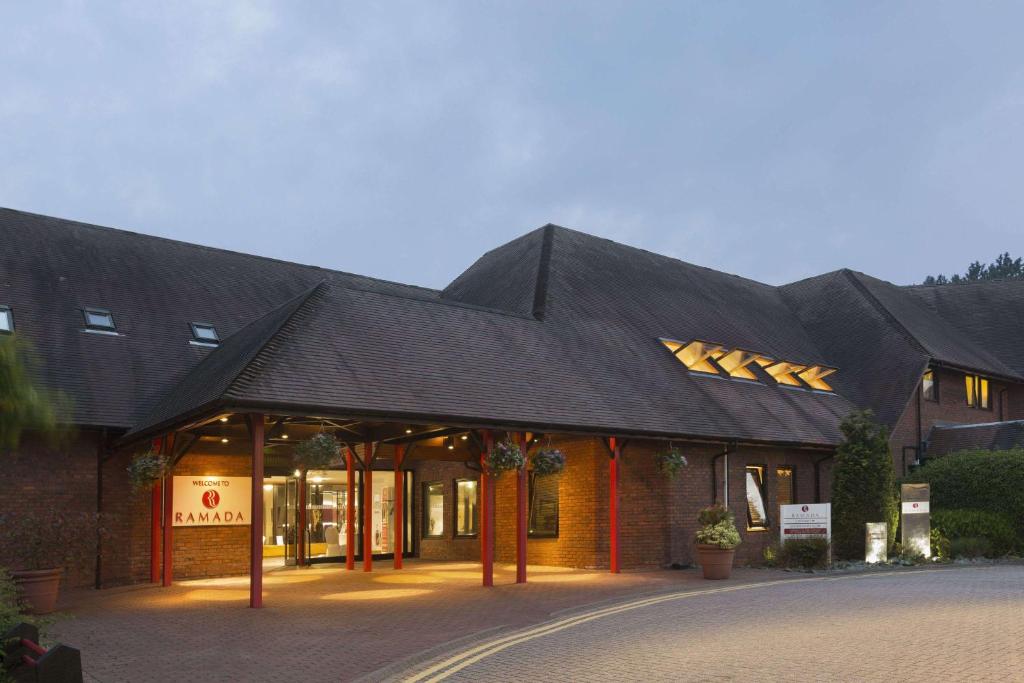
716,562
39,589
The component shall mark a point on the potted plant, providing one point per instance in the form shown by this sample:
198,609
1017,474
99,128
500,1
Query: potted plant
46,544
505,456
146,469
716,541
548,461
672,461
318,452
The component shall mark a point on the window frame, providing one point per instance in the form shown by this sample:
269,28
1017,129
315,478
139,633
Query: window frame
530,492
455,508
8,313
760,481
972,388
792,483
92,310
196,338
935,386
426,510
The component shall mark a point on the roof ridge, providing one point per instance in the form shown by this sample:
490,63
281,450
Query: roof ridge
221,250
881,308
540,289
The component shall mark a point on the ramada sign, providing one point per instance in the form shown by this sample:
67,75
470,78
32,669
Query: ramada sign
212,501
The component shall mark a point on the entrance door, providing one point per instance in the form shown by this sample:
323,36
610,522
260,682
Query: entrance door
291,521
326,507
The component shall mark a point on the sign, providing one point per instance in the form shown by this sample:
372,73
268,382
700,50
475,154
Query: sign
876,542
916,521
810,520
212,501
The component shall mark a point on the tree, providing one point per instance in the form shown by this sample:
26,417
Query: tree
863,485
22,406
1003,268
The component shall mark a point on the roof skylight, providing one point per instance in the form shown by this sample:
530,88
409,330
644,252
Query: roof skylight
98,319
715,359
815,377
695,354
6,320
204,333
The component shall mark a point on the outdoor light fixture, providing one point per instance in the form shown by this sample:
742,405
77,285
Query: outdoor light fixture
284,436
268,487
298,473
224,440
465,436
223,419
408,430
449,443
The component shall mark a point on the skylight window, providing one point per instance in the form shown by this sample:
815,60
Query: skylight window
204,333
735,363
99,319
815,376
695,354
782,371
6,320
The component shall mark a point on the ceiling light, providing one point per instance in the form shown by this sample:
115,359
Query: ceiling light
449,443
317,480
224,440
464,437
223,419
408,430
284,436
268,487
298,473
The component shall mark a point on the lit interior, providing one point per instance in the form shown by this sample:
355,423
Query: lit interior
735,363
695,355
815,377
782,371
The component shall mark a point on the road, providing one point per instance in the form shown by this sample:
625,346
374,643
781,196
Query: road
948,624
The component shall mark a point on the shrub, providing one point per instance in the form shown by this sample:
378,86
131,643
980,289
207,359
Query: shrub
978,480
672,461
717,528
940,545
145,469
977,524
863,484
970,546
548,461
803,553
505,456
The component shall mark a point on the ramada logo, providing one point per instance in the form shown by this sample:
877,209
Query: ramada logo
803,509
914,506
211,499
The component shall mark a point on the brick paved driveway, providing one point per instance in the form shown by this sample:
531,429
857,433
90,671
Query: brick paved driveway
950,624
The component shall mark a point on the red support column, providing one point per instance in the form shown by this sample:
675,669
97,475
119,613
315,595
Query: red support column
399,505
521,512
368,506
486,514
256,513
350,511
169,513
613,504
300,532
156,518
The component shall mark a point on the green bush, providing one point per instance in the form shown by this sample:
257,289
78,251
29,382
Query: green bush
940,545
863,484
717,528
977,524
970,546
978,480
803,553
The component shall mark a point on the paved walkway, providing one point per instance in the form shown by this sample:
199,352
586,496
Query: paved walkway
948,624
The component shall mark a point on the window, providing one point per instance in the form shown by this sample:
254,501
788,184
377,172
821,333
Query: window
543,492
757,517
735,363
977,392
815,376
785,486
433,510
782,371
695,354
6,320
465,507
98,319
204,333
929,386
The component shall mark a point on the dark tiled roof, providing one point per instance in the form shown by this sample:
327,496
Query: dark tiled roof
993,436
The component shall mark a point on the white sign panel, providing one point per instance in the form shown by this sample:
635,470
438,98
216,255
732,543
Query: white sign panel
915,508
212,501
810,520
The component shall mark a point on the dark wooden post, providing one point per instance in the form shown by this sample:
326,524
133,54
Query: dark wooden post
522,486
256,513
487,513
350,511
156,515
169,512
613,504
399,505
368,506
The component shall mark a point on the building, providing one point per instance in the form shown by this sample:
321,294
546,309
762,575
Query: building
557,339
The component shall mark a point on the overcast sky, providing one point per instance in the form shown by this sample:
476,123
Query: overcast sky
767,139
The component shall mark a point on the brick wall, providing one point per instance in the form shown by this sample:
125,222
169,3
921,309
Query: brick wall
449,546
127,517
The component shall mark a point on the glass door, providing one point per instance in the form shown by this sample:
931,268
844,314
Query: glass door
291,520
326,507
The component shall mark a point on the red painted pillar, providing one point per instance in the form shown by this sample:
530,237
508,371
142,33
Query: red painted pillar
521,515
156,515
486,514
368,507
350,511
256,513
399,503
613,504
169,514
300,532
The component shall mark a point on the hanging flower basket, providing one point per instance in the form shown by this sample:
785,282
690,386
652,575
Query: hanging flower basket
318,452
146,469
505,457
548,461
672,461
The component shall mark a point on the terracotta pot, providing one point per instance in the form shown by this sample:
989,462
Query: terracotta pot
38,589
716,562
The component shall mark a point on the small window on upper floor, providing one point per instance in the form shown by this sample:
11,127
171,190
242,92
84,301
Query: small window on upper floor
204,333
6,320
977,392
99,319
929,386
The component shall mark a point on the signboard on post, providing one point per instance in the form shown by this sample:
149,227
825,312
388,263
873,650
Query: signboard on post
915,521
809,520
212,501
876,542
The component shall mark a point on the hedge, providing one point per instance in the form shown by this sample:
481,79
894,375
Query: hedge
957,525
992,481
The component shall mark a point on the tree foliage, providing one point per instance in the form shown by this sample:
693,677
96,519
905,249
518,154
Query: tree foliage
1003,268
863,485
22,405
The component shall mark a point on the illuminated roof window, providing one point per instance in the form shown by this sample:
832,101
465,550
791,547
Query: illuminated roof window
815,377
695,355
782,371
735,363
